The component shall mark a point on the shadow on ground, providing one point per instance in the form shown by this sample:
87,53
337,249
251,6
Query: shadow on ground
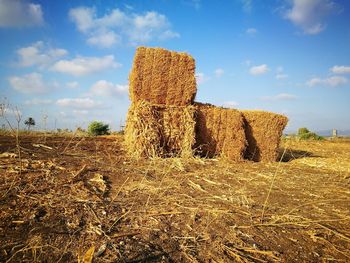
291,154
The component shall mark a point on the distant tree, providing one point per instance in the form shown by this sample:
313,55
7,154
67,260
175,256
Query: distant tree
305,134
98,128
29,122
302,131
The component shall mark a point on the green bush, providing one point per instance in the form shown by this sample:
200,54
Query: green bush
302,131
305,134
98,128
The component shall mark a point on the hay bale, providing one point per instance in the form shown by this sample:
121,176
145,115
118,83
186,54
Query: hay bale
263,133
219,131
162,77
159,131
141,134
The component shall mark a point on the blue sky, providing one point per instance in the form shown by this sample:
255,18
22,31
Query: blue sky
70,60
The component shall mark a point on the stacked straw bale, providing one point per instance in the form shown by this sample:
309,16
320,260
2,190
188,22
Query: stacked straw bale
163,119
162,77
263,132
219,131
159,131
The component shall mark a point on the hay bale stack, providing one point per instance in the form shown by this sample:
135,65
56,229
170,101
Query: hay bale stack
219,131
159,131
263,133
162,77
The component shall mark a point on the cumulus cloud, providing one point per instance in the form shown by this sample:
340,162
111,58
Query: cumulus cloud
105,88
81,66
104,39
110,29
219,72
72,84
18,13
333,81
251,31
79,103
201,78
340,69
281,76
29,83
36,101
281,96
310,15
39,54
259,70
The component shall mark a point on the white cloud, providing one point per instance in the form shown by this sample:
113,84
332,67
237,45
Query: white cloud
246,5
81,66
279,69
80,112
259,70
281,96
247,62
105,88
219,72
194,3
230,104
72,84
17,13
333,81
281,76
201,78
251,31
79,103
104,39
10,111
83,17
309,15
37,101
39,54
110,29
340,69
29,83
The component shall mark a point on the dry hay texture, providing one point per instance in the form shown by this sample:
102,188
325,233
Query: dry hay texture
219,131
162,77
159,131
263,133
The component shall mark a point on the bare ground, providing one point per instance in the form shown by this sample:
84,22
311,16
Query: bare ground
67,197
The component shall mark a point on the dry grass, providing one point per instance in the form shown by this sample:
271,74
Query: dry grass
174,209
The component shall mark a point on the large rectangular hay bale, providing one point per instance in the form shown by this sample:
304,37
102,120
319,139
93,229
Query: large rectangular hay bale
263,133
163,77
158,131
219,131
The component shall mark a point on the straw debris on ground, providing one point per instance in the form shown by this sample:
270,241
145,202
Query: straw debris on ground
171,210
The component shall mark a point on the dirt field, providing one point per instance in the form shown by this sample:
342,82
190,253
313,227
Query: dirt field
66,197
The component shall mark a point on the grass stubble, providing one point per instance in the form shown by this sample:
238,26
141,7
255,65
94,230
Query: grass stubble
173,209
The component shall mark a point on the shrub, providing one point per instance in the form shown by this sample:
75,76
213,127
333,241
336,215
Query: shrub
98,128
305,134
302,131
